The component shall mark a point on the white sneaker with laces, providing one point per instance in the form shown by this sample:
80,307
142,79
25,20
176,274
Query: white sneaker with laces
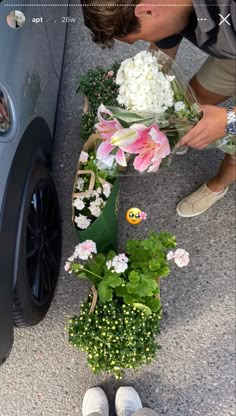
95,400
127,401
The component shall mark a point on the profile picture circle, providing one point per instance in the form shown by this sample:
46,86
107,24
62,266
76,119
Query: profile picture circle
16,19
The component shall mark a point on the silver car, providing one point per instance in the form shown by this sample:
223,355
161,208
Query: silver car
32,40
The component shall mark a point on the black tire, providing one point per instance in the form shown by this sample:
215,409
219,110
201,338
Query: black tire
39,249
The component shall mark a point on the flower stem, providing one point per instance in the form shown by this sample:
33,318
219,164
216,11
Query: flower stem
94,274
96,264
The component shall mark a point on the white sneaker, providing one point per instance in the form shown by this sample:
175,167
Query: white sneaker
95,400
127,401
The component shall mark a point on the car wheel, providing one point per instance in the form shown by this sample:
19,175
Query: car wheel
39,249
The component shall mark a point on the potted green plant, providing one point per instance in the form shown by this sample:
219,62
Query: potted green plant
118,323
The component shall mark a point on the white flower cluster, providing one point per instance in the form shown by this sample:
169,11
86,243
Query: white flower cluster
80,184
79,203
180,106
118,263
84,156
143,85
84,250
106,189
94,200
82,222
180,257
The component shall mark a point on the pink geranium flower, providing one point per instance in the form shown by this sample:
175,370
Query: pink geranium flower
84,250
180,257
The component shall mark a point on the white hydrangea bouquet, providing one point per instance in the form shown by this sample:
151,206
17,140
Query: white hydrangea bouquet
143,86
157,109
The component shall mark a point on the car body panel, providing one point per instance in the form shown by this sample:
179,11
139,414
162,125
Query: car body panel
29,87
30,70
55,25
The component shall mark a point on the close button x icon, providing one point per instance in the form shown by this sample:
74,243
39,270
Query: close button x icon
224,19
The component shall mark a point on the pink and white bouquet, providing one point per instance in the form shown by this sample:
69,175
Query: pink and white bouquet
149,144
157,110
88,203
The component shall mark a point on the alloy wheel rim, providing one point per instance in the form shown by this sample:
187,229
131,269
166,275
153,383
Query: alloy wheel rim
42,242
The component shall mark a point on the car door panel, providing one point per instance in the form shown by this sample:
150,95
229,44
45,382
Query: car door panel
55,24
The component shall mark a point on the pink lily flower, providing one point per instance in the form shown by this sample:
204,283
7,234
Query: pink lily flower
106,128
151,147
149,143
113,133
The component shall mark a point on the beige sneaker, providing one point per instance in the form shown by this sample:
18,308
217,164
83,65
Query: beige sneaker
198,202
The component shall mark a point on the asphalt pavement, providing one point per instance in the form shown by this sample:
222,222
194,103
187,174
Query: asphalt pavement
194,374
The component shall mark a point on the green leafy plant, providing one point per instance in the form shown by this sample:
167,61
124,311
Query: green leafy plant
99,86
87,125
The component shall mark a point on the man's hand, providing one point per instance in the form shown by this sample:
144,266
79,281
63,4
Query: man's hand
209,129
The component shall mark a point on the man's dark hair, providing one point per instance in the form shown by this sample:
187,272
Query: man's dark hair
111,19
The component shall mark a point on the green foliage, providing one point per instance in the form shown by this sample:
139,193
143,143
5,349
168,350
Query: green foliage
105,288
149,256
99,88
87,125
115,336
138,284
127,118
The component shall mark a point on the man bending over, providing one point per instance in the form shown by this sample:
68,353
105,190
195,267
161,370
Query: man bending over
211,26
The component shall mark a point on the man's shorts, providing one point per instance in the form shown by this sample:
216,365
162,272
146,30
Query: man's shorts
218,76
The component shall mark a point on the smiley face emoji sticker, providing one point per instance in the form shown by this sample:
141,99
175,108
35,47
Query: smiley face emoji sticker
135,216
